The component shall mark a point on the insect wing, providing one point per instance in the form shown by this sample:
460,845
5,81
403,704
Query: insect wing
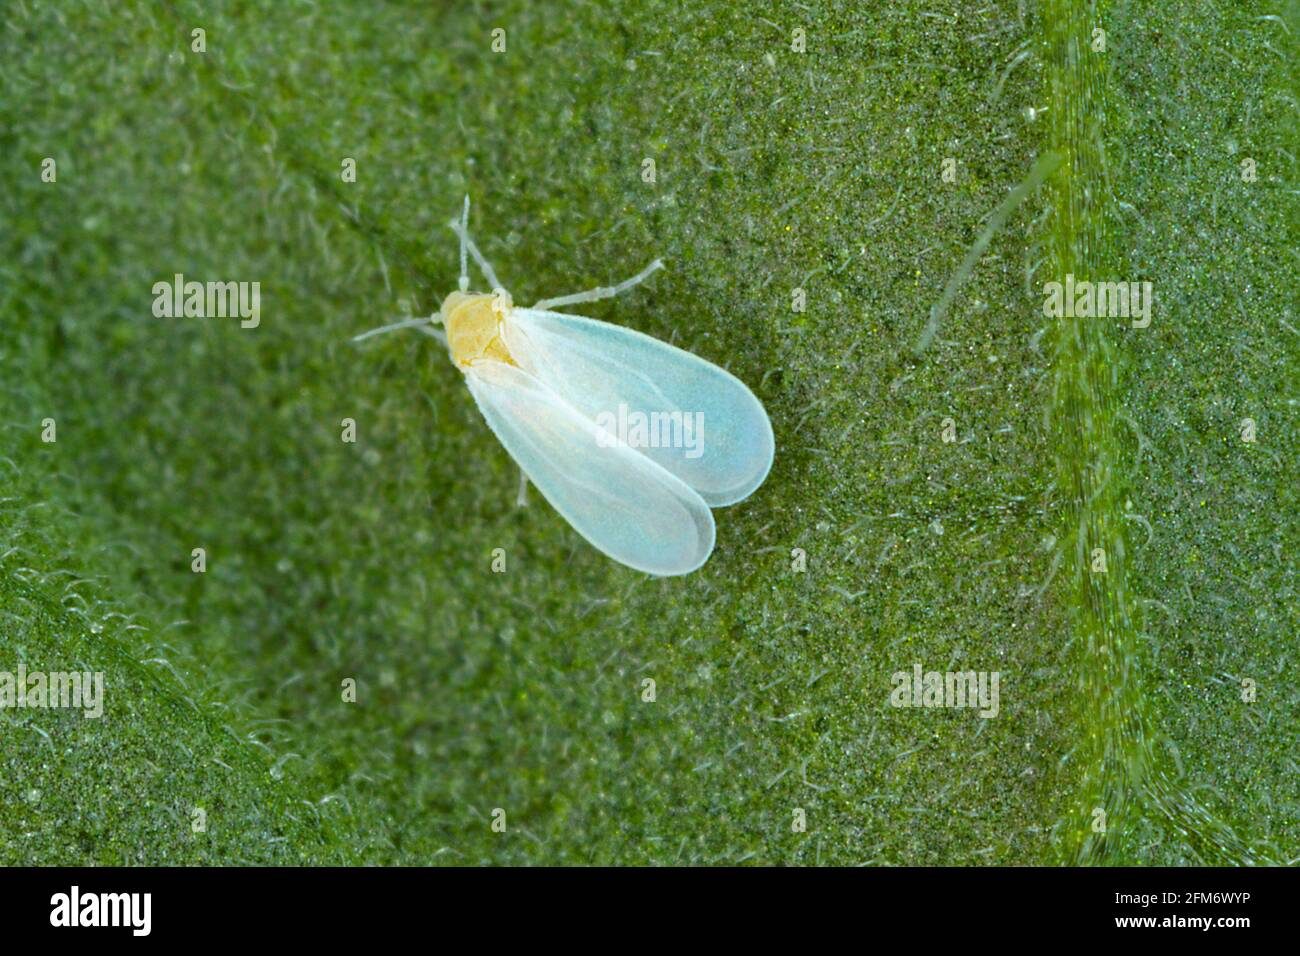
619,500
699,422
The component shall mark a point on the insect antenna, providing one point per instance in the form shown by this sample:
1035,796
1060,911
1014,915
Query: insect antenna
467,244
464,236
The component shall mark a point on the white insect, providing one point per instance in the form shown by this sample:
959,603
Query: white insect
630,439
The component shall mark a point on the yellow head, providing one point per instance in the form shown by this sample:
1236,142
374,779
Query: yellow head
473,321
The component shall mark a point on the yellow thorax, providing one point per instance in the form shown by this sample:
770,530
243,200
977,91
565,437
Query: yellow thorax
473,321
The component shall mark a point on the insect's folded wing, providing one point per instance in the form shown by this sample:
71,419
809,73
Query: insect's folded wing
619,500
702,423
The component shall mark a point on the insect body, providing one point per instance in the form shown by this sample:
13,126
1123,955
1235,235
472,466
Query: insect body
630,439
473,324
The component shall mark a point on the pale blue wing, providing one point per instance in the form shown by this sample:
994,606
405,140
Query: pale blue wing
598,367
622,502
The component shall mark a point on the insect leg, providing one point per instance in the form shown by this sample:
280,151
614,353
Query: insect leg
405,324
521,499
602,292
438,334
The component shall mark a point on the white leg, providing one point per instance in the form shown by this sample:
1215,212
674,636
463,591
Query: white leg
466,243
521,499
438,334
422,324
603,292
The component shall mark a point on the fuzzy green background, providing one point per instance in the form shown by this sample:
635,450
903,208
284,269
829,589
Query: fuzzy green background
775,170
